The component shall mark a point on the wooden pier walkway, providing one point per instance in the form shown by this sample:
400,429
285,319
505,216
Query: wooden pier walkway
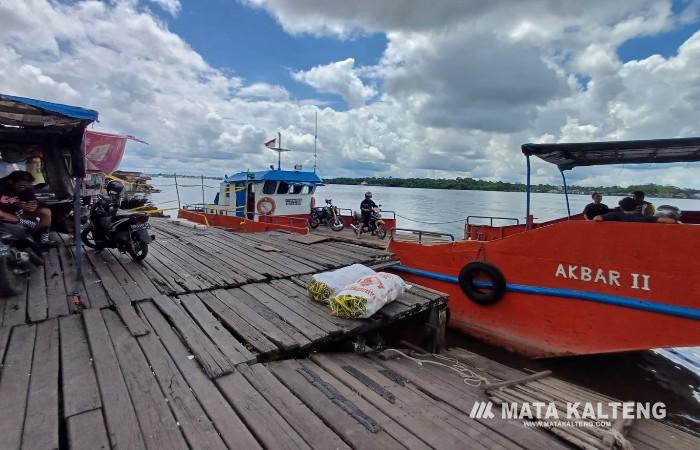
193,348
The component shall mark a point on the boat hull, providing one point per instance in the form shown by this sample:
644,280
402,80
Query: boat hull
573,288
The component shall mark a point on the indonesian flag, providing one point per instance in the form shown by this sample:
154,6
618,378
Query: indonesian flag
271,143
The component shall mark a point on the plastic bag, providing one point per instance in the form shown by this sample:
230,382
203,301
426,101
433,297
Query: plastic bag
325,285
367,295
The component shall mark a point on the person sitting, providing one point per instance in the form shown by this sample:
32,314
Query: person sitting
596,208
628,213
643,207
30,210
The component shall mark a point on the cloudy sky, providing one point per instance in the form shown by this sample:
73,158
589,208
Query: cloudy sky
401,87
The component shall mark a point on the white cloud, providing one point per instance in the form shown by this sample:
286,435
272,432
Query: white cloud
171,6
264,91
461,85
340,78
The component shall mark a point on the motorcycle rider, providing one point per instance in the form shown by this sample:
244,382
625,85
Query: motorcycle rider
366,209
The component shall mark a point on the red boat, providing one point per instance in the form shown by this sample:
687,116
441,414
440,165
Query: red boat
571,286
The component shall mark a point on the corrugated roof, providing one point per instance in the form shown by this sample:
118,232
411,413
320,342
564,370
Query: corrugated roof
568,156
276,175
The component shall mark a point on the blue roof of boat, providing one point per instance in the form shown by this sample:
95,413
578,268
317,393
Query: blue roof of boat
276,175
74,112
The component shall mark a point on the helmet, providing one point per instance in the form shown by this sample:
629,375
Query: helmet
368,194
668,211
114,187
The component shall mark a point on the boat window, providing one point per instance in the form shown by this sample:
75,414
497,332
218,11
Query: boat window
269,187
312,189
297,188
283,188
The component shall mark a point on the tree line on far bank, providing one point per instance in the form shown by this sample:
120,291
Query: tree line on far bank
471,184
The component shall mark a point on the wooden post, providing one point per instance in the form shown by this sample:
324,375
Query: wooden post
203,194
177,191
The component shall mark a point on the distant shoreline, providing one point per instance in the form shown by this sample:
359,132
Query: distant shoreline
470,184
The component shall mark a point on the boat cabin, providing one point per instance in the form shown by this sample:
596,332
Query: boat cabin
274,192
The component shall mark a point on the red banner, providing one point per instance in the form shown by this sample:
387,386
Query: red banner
104,151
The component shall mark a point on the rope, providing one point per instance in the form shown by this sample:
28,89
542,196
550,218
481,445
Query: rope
431,223
469,377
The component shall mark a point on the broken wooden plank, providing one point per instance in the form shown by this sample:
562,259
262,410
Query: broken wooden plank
120,417
159,427
41,422
14,384
87,431
222,415
208,355
80,391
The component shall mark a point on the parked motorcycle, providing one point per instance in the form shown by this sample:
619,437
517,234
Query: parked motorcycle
105,229
326,214
377,226
19,255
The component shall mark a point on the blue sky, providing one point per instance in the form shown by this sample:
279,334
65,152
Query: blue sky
248,40
419,88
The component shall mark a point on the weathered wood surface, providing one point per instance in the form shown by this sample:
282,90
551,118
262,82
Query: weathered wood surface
119,391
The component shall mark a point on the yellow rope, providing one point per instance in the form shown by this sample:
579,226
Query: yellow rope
348,306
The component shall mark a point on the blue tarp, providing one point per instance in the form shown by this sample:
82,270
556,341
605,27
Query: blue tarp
74,112
276,175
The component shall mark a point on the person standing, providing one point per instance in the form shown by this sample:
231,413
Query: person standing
643,207
596,208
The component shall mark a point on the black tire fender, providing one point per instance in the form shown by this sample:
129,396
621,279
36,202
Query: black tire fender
481,296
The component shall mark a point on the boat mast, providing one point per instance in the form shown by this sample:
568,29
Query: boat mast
315,139
279,151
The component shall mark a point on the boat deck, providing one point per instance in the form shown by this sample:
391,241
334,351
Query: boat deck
169,355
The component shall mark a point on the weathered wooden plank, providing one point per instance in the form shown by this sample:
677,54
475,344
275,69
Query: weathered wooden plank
431,381
15,307
118,296
181,275
122,424
87,431
267,424
213,361
41,422
191,418
304,307
97,297
417,412
299,416
308,329
55,288
265,320
4,338
112,260
222,255
37,302
234,321
224,418
357,421
138,273
80,391
227,343
14,385
160,429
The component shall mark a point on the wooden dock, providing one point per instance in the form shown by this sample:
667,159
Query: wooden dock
207,346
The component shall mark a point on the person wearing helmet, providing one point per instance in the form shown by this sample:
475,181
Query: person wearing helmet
366,209
32,214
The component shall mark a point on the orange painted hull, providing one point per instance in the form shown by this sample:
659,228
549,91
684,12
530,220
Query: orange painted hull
287,223
574,287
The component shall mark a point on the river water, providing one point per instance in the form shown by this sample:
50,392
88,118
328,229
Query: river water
668,375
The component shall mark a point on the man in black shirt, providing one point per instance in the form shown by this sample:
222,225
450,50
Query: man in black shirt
627,213
366,208
596,208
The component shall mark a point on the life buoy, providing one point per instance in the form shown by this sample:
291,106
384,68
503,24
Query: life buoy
312,202
479,294
266,206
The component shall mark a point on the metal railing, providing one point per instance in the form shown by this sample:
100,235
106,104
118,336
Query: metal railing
422,233
492,218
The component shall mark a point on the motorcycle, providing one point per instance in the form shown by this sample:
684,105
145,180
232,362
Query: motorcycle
377,226
127,233
19,255
326,214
